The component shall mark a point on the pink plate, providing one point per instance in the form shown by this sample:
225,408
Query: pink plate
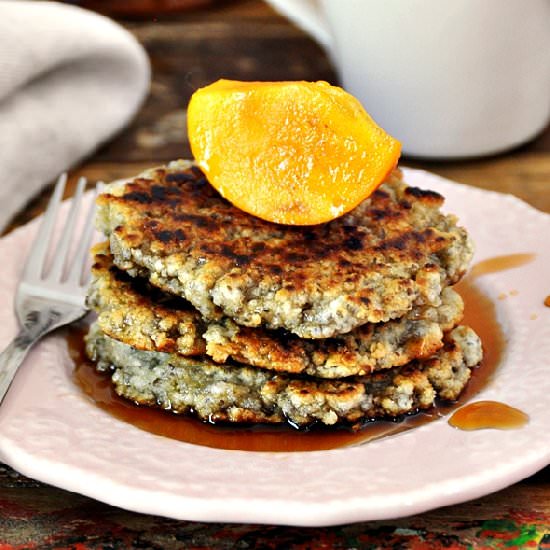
51,432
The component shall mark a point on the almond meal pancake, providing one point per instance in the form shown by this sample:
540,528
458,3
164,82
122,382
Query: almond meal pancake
395,251
135,312
242,394
132,311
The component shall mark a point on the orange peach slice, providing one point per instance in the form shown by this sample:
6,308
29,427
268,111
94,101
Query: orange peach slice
295,153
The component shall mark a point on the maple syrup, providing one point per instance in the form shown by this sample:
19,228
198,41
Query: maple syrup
480,314
500,263
488,414
99,388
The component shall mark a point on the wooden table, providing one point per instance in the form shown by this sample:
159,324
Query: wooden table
246,40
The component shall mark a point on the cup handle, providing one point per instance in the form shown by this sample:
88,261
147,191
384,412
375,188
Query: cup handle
306,14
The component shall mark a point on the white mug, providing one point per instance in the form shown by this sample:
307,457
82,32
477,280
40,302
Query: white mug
449,79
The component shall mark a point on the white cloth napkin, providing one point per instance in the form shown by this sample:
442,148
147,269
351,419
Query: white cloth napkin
69,79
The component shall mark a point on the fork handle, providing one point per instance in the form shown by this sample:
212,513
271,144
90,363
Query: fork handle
37,324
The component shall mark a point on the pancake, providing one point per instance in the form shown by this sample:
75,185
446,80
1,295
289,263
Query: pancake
241,394
368,348
395,251
134,312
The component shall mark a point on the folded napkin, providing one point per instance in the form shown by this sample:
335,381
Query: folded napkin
69,79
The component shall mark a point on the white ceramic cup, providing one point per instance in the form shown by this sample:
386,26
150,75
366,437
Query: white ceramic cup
455,78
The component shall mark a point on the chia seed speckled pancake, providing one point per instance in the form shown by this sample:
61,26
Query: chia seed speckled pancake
238,393
134,312
395,251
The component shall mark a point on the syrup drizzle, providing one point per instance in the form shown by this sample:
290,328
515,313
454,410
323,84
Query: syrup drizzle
499,263
480,314
276,438
481,415
488,414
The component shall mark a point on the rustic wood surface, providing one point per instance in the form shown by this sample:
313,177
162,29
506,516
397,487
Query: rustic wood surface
246,40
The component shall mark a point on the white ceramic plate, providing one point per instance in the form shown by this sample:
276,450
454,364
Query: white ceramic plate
51,432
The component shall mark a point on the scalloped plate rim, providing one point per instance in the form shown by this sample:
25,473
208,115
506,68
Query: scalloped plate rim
291,510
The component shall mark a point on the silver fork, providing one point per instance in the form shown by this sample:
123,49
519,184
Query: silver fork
50,296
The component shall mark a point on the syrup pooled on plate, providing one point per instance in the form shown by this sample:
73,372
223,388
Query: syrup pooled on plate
488,414
500,263
221,436
480,314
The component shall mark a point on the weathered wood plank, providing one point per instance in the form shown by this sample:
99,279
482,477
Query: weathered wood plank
46,516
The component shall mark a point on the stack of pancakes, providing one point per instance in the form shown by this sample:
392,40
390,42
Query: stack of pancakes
205,309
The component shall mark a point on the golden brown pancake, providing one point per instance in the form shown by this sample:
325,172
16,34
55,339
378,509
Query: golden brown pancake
237,393
134,312
394,252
